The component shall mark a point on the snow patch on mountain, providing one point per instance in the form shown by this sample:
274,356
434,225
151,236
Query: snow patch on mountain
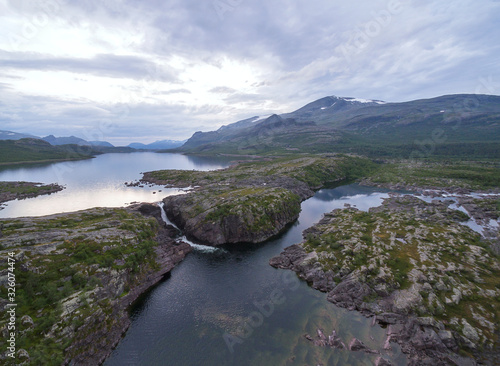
361,100
259,119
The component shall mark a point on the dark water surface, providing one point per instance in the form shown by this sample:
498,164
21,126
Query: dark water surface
230,307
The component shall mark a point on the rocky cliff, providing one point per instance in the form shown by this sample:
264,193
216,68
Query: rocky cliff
246,214
76,275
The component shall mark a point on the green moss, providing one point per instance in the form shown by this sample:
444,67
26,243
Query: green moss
436,245
219,212
400,266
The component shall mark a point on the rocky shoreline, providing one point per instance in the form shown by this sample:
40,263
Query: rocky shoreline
413,267
112,256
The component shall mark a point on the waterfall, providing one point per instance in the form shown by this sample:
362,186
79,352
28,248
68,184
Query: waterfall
198,247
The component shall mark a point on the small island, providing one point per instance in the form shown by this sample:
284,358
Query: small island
10,191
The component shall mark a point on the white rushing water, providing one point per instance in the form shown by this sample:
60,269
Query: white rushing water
198,247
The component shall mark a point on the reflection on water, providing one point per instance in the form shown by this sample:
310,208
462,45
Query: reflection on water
97,182
197,316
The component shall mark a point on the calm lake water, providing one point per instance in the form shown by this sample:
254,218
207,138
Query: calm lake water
97,182
195,316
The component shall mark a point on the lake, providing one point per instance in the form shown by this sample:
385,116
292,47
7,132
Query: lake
97,182
194,316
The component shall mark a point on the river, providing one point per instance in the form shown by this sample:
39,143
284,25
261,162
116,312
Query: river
195,316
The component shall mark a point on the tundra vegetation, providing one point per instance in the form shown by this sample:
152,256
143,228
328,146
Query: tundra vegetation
74,274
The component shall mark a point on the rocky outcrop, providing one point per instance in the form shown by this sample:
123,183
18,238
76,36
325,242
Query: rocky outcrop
297,259
246,214
248,202
332,341
412,266
99,261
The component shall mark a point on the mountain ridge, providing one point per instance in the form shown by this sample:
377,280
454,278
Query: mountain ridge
347,124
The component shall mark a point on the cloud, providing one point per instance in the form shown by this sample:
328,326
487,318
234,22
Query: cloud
222,90
5,86
115,66
178,66
173,91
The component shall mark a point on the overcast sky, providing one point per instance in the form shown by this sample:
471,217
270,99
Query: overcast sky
130,70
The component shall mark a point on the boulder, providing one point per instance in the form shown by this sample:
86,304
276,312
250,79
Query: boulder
27,321
356,345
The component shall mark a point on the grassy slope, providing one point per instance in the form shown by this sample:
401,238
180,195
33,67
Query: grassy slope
32,150
440,174
314,170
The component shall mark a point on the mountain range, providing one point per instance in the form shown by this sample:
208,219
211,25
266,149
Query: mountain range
157,145
55,141
461,125
10,135
73,140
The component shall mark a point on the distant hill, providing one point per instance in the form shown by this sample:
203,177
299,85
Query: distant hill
56,141
101,143
51,139
157,145
224,133
452,125
35,150
9,135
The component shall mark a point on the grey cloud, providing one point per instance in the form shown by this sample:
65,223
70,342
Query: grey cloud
101,65
5,86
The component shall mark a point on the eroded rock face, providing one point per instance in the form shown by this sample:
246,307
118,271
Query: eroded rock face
349,293
247,214
86,268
